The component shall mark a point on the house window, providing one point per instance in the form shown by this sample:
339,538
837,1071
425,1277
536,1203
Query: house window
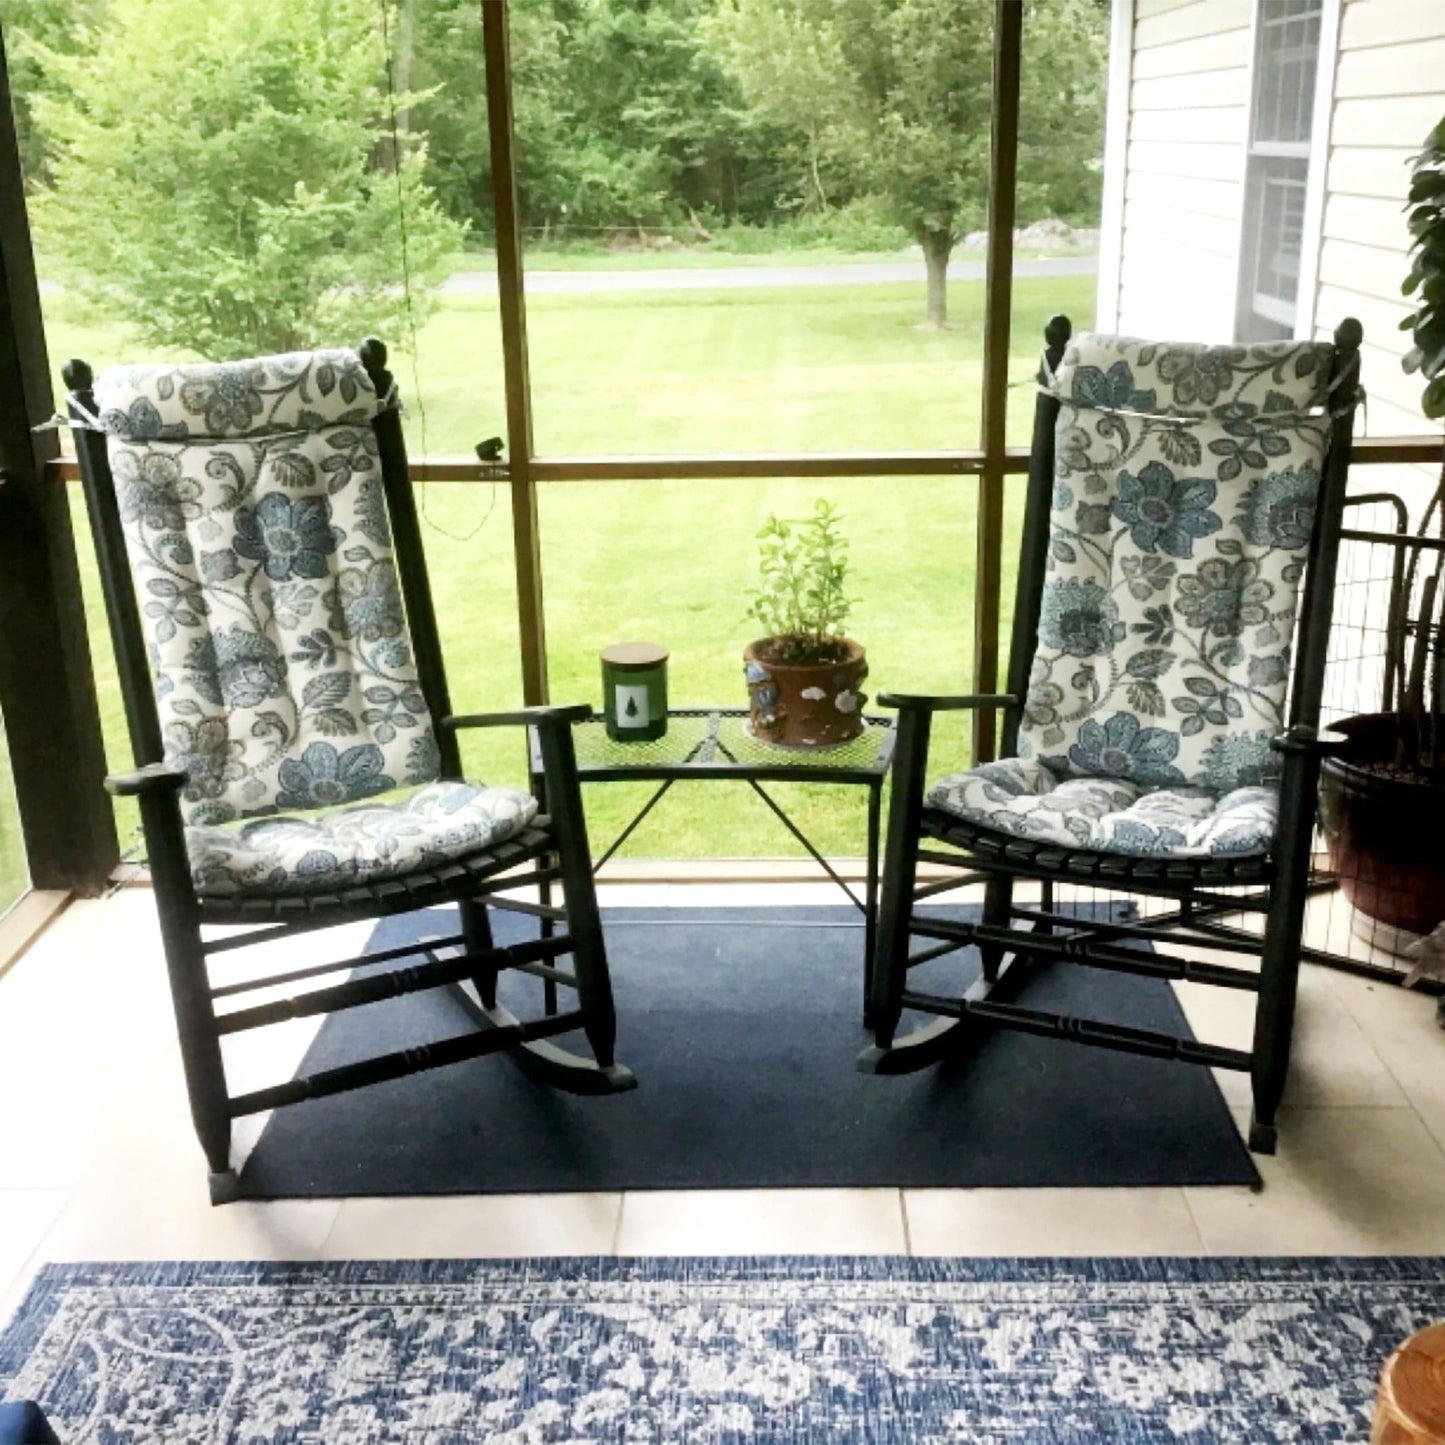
1286,64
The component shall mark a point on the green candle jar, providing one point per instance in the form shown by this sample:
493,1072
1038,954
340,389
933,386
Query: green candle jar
634,691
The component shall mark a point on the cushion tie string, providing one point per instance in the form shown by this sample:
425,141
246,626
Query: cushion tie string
1047,377
85,421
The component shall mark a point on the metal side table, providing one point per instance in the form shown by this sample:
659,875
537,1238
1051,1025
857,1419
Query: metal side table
702,743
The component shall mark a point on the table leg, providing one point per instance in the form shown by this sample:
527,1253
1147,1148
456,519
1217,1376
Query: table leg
544,897
807,843
870,916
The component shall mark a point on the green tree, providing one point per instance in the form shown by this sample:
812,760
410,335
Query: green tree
36,31
653,114
447,66
623,115
220,180
1062,101
894,98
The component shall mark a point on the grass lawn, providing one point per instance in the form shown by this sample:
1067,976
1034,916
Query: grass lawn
810,368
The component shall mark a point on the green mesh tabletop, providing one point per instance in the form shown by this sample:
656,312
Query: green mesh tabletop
715,743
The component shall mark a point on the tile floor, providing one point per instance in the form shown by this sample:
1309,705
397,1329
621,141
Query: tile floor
97,1158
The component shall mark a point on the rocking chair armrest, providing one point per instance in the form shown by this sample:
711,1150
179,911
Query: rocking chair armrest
153,778
1303,740
922,702
565,715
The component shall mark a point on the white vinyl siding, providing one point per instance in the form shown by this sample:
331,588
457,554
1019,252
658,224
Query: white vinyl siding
1182,166
1389,93
1188,109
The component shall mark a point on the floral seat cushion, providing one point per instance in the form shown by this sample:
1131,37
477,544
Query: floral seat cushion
1026,799
330,849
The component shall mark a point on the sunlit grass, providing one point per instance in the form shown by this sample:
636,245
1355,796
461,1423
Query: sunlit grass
798,369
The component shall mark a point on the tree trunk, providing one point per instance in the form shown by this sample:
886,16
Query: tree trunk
816,172
937,248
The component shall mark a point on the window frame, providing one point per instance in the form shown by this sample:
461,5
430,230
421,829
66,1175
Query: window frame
1263,160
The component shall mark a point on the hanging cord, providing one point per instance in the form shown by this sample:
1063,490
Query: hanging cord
395,132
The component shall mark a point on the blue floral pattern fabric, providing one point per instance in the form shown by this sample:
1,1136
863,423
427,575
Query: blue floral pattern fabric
1183,504
1184,495
888,1350
1028,799
332,849
256,525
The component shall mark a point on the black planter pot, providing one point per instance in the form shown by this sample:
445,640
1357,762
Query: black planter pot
1385,832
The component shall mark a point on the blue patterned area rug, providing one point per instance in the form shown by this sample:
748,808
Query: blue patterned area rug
533,1352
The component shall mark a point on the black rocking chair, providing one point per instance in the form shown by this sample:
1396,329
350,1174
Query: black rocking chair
1179,542
297,757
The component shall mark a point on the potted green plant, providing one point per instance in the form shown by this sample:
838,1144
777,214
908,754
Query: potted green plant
804,675
1383,798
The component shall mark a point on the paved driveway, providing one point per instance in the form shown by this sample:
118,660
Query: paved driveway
737,278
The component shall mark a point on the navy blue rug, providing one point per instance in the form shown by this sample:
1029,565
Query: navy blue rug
742,1027
883,1351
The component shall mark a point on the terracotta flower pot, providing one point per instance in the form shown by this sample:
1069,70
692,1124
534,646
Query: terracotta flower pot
816,705
1385,832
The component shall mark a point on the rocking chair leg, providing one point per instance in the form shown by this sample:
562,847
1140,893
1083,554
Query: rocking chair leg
890,963
997,902
579,896
1274,1018
201,1060
190,989
1280,955
900,872
477,932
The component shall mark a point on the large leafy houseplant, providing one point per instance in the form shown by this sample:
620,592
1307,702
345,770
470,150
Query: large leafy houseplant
1426,282
1383,799
1416,670
804,674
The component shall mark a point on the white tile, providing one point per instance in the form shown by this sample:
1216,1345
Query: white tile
1345,1181
148,1199
493,1226
1401,1026
1049,1221
47,1143
1332,1062
762,1221
25,1215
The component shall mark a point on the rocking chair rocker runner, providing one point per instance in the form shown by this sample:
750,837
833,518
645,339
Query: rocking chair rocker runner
297,756
1156,740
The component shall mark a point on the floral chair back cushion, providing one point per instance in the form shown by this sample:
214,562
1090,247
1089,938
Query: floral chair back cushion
256,523
1184,498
